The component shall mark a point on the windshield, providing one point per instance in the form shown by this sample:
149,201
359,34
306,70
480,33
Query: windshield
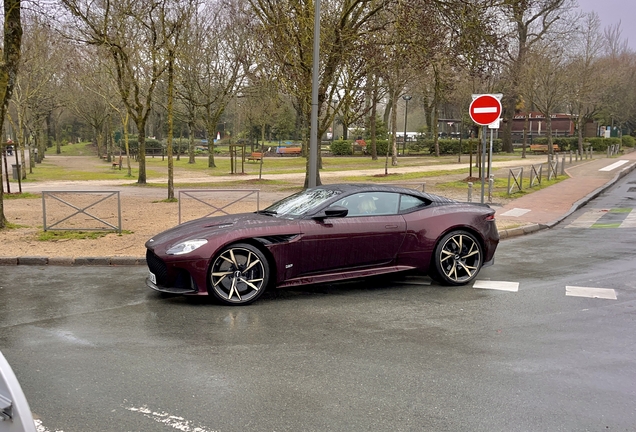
300,203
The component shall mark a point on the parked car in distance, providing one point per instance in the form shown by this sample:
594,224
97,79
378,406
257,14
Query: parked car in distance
324,234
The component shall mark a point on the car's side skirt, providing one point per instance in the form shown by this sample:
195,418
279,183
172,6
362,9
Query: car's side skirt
338,276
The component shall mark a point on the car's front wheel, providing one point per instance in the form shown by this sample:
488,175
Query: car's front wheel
239,274
457,259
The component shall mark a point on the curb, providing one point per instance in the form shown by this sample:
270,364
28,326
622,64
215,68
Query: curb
117,261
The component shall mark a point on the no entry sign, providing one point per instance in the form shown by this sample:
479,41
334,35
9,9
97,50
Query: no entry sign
485,109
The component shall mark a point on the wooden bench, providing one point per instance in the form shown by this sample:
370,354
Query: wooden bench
543,148
282,151
255,156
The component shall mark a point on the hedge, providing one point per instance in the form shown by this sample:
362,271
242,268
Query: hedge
345,147
628,141
451,146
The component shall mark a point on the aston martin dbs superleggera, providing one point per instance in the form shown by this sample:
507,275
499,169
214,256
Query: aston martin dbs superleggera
324,234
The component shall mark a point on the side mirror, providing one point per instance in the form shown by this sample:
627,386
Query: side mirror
334,211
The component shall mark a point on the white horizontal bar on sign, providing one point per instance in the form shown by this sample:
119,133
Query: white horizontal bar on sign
614,165
600,293
497,285
484,110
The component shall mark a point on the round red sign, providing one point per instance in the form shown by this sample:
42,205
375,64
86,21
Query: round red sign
485,109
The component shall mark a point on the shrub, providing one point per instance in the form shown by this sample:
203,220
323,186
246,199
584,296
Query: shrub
341,148
600,144
151,143
451,146
628,141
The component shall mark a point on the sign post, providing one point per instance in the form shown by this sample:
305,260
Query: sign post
485,109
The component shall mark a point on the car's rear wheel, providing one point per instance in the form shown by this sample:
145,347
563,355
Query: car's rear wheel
239,274
457,259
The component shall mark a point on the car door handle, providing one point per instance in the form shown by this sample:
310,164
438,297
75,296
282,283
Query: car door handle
390,226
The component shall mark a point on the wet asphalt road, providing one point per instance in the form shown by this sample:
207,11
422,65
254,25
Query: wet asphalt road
95,350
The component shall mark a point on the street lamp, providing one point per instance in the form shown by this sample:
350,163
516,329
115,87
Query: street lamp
407,98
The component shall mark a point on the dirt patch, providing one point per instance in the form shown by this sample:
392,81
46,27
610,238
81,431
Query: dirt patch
141,218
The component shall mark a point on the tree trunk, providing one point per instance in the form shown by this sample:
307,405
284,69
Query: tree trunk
526,121
394,160
141,142
170,110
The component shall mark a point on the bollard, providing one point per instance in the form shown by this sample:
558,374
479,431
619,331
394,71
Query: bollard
563,166
491,183
424,187
470,191
608,151
570,156
591,152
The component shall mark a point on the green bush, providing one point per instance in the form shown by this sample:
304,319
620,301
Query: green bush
342,148
600,144
566,143
451,146
380,146
134,144
628,141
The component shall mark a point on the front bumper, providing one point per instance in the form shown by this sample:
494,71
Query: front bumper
182,277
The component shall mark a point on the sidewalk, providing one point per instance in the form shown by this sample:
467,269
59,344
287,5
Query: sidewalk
529,213
547,207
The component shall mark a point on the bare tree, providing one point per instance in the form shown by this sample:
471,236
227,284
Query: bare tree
131,31
545,82
584,85
286,30
530,22
212,65
8,71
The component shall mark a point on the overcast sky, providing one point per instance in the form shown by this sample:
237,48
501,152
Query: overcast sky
611,12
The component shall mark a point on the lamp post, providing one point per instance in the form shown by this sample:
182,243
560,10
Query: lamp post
407,98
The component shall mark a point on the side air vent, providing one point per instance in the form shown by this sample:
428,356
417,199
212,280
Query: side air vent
269,240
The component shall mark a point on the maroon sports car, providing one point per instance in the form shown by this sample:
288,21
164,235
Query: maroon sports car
324,234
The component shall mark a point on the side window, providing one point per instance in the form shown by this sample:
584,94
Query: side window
370,203
409,203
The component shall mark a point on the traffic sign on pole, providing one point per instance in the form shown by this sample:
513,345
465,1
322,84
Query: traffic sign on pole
485,109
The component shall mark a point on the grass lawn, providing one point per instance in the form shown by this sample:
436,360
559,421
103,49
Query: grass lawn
156,169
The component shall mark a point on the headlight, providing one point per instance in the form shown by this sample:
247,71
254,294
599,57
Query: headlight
186,247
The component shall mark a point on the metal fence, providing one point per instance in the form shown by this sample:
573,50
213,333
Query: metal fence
81,211
218,200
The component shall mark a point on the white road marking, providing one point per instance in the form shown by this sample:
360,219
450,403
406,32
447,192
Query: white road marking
587,219
630,220
174,422
497,285
39,427
515,212
614,165
600,293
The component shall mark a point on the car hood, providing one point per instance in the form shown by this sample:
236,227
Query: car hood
240,225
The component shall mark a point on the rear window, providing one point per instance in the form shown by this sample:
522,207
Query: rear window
409,203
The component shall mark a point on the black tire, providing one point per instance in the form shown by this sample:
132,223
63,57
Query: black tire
457,259
239,274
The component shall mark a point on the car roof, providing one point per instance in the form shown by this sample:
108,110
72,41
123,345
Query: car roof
369,187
